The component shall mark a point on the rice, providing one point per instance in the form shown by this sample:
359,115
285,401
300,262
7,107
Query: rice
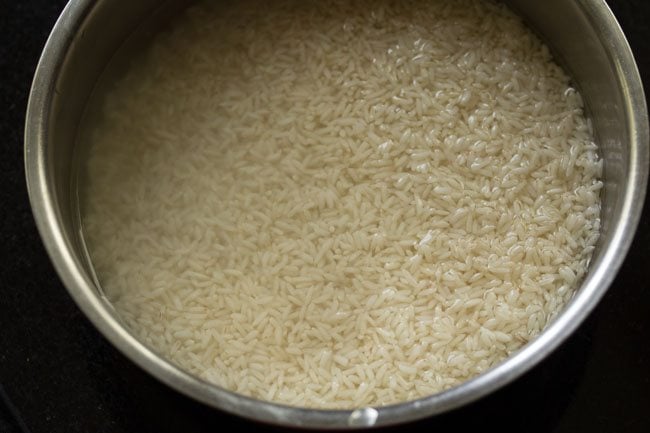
339,204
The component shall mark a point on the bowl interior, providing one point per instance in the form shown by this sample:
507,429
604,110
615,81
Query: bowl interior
92,44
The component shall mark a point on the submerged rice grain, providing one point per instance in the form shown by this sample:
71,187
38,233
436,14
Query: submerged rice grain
338,204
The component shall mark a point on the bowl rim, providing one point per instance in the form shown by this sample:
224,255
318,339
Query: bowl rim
101,314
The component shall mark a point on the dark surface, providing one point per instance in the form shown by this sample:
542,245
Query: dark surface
58,374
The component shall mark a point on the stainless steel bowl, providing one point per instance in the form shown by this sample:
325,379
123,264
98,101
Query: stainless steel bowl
585,38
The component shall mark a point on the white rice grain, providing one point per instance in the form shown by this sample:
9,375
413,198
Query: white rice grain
339,204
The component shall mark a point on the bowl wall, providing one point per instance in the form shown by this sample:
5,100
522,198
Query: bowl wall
92,43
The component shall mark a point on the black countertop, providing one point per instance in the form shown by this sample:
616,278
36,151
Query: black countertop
58,374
